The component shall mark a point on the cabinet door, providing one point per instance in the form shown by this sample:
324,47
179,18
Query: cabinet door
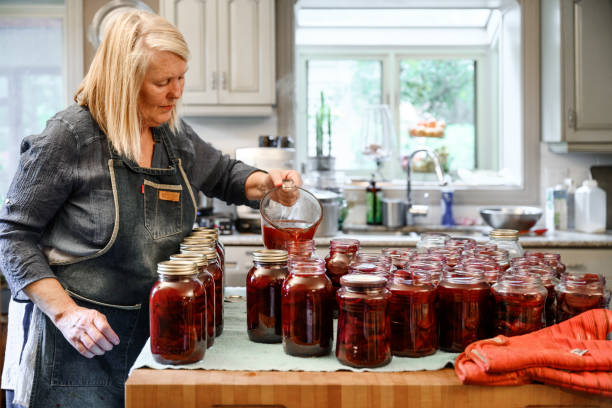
246,52
197,21
588,61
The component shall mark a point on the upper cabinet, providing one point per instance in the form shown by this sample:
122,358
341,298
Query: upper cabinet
231,70
576,75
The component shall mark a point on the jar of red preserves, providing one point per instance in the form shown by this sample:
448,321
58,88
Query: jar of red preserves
300,249
549,281
364,329
400,257
464,304
577,293
264,282
212,233
209,287
306,309
341,253
207,303
412,311
215,271
520,301
175,317
428,240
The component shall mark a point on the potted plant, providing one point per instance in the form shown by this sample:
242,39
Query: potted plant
323,128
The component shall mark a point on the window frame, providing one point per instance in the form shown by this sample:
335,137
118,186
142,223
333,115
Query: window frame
527,191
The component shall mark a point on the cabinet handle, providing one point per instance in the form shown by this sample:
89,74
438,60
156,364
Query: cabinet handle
214,80
223,80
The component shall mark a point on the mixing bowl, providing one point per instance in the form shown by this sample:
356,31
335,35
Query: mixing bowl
516,217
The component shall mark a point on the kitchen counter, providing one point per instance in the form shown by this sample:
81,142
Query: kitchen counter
558,239
147,388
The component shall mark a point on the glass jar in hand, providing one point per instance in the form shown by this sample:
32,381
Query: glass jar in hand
520,301
264,282
364,329
465,314
577,293
412,311
306,309
174,316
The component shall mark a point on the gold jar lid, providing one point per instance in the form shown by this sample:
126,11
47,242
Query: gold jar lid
177,267
504,233
270,255
198,258
195,246
209,253
205,231
199,239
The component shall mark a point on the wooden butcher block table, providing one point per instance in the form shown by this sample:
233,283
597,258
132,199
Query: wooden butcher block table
147,388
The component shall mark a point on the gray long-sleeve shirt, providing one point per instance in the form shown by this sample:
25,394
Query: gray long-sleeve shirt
61,195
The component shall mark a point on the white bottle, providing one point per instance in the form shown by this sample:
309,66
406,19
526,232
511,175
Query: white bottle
570,188
590,205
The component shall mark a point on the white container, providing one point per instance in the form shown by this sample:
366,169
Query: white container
590,205
556,208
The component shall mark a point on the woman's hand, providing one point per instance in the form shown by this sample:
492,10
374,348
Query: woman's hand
87,330
258,184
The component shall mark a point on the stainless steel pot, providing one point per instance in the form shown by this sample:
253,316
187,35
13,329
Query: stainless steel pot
331,203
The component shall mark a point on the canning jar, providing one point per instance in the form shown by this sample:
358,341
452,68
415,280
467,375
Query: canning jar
364,329
412,311
207,302
549,281
341,252
433,269
306,309
300,249
464,305
461,243
371,263
577,293
507,239
214,234
520,301
215,271
400,257
428,240
264,282
175,316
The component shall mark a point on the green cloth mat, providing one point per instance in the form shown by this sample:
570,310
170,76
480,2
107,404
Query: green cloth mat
234,351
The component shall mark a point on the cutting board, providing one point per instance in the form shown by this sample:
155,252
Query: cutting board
603,175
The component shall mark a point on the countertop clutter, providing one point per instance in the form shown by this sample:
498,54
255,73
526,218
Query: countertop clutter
557,239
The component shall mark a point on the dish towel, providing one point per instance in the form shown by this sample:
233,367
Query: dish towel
576,354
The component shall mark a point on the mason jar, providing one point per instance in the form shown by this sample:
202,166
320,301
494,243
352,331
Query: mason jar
507,239
175,317
306,309
412,312
577,293
364,329
264,282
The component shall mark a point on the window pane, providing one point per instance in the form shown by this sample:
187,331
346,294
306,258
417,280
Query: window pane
31,84
434,92
348,87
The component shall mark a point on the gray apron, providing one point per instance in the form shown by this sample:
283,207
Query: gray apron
154,210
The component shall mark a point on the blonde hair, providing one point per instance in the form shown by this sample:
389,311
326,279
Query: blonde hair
112,85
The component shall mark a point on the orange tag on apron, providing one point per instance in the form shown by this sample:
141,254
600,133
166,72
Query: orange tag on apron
169,195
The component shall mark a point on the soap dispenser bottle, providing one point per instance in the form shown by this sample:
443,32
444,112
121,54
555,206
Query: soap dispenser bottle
373,203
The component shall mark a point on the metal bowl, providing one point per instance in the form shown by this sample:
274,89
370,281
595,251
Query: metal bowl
518,218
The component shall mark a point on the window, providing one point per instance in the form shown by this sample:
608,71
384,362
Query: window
461,67
33,87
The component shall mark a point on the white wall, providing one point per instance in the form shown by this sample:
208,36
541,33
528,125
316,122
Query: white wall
228,133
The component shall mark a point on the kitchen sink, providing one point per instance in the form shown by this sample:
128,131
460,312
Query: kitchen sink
415,230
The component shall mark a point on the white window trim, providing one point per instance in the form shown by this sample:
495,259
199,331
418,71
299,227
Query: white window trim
528,192
71,14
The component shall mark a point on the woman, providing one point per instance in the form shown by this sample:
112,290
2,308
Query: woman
101,195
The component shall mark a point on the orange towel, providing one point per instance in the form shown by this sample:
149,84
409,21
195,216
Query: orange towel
576,353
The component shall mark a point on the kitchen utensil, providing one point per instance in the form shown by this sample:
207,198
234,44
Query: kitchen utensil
393,212
296,222
519,218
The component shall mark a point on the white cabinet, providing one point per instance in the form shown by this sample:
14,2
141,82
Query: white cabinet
231,71
576,75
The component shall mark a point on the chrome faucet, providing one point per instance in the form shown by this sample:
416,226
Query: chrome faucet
420,210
